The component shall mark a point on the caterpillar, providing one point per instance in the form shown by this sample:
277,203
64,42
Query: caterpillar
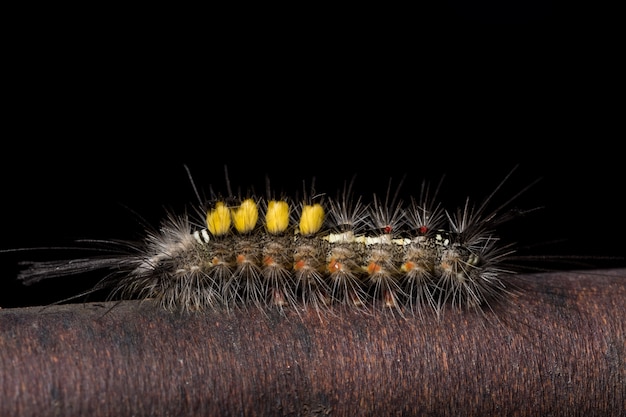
317,252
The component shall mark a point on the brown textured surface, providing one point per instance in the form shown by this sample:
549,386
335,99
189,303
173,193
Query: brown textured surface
557,349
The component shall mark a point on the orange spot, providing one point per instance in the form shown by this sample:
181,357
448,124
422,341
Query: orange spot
241,259
407,266
373,267
215,261
299,265
268,260
334,266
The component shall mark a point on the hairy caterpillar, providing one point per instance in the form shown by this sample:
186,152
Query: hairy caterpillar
318,252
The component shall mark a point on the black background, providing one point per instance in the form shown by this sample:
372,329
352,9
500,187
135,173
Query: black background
102,120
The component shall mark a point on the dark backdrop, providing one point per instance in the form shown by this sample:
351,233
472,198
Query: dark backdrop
100,124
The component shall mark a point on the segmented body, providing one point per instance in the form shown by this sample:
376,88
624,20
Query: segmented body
308,260
321,254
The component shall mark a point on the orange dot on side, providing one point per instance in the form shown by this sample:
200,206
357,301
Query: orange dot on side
373,267
408,266
334,266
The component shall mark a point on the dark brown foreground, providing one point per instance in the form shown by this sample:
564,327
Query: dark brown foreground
557,349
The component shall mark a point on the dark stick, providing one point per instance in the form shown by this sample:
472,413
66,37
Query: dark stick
558,348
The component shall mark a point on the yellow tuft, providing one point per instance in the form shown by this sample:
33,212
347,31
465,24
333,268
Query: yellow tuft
218,219
277,216
311,219
245,216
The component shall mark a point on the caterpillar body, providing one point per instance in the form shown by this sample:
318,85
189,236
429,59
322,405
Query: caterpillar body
317,253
